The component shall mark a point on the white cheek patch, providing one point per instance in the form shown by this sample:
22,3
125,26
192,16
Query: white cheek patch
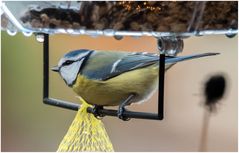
69,73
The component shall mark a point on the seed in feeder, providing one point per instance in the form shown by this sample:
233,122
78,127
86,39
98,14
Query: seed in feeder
152,2
163,28
94,17
95,13
66,24
145,26
134,26
163,16
99,26
180,27
151,17
52,26
54,21
36,23
44,17
45,20
75,25
118,26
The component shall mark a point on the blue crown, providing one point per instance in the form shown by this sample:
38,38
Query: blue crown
75,53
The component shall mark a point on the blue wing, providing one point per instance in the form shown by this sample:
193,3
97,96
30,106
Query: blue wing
132,62
105,65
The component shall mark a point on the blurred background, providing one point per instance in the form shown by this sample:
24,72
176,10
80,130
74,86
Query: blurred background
29,125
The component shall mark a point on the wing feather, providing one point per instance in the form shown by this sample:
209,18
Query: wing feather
113,65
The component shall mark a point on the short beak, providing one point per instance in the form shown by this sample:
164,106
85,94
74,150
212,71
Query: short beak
55,69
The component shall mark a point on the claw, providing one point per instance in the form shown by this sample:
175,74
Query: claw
120,114
121,109
96,113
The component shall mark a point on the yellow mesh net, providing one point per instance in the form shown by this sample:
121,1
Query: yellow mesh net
86,133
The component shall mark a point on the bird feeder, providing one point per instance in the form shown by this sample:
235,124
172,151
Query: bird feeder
170,22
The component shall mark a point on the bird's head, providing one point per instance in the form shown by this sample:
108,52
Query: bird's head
70,65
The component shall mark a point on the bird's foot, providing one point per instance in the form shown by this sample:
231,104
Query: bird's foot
96,113
122,109
120,114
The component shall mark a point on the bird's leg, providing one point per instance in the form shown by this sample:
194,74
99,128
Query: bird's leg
96,109
122,108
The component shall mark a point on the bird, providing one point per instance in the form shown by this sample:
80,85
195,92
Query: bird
114,78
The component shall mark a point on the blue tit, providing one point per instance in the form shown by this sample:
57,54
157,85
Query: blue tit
108,78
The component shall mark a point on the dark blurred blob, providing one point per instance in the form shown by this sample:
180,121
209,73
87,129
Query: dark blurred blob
214,90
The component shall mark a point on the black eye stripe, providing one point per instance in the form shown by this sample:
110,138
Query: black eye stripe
68,62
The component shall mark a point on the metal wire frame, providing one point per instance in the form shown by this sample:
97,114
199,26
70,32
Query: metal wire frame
102,111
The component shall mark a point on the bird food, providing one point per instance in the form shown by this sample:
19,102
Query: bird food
86,133
159,16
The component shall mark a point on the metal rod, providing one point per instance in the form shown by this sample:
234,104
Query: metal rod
46,66
161,86
61,103
46,99
130,114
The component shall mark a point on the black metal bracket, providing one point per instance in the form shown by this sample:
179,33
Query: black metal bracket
103,112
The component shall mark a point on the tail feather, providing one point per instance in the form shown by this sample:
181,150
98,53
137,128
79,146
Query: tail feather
183,58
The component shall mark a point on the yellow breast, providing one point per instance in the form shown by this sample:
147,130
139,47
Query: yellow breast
115,90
